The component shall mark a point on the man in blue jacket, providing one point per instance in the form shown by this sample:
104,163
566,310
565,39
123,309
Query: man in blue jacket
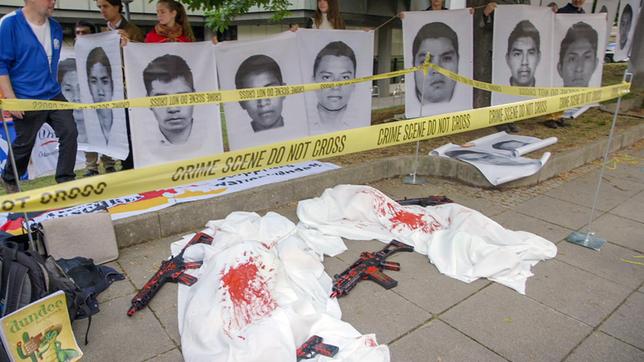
30,48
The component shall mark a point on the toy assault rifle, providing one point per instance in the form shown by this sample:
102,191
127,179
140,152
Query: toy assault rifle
426,201
369,266
171,270
314,346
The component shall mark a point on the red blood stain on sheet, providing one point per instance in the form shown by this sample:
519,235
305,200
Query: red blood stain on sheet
154,194
401,218
249,295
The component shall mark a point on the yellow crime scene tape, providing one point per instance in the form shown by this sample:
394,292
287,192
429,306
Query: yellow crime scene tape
304,149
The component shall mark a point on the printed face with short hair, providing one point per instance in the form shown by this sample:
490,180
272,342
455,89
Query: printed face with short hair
100,83
523,58
334,69
172,120
438,88
578,64
268,111
624,28
70,88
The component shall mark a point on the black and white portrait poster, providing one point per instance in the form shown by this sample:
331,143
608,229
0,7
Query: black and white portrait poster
579,54
269,62
499,156
608,7
447,36
628,12
70,88
98,61
331,56
172,133
522,49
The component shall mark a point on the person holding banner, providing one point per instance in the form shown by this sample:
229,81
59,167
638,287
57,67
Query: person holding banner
173,25
327,16
31,43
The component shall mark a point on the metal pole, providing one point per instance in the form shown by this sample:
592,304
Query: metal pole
126,4
12,159
412,178
589,239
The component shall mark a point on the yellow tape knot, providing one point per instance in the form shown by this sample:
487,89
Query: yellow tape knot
426,64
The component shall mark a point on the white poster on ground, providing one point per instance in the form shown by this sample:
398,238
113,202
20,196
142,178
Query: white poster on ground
98,60
579,54
522,49
609,7
628,13
172,133
447,36
272,61
332,56
498,156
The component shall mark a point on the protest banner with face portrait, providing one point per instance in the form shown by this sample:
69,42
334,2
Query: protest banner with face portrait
628,13
98,61
608,7
172,133
579,54
269,62
336,55
447,36
522,49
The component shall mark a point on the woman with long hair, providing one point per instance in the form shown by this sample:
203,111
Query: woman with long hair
327,16
173,24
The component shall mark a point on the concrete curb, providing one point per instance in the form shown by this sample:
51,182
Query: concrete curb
194,215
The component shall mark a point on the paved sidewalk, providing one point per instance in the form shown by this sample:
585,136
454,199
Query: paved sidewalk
581,306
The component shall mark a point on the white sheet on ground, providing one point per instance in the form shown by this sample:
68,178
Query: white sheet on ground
461,242
261,292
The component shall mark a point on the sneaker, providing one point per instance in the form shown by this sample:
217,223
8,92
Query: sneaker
551,124
90,173
110,169
513,128
10,187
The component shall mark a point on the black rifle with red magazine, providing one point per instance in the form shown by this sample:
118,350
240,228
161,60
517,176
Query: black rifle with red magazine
171,270
313,347
369,267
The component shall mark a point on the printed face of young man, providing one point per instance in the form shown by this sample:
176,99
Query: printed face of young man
334,69
100,83
523,58
268,111
624,27
578,64
70,88
438,88
172,120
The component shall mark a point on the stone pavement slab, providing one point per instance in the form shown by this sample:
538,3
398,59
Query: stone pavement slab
437,341
371,309
422,284
627,323
171,356
516,221
117,289
613,191
632,208
555,211
600,347
621,231
575,292
516,327
116,337
606,263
